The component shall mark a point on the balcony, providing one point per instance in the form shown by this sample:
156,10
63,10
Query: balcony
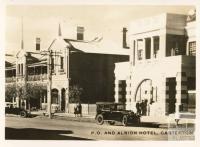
37,77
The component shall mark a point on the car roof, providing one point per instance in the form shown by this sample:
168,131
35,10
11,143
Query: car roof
108,103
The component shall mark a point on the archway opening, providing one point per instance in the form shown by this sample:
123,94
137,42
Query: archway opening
144,96
54,96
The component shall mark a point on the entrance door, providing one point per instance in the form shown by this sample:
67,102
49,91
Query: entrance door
63,100
172,95
54,96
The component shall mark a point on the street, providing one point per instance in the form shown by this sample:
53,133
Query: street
43,128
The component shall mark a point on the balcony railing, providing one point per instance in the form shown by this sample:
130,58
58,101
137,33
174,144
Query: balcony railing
37,77
30,78
10,79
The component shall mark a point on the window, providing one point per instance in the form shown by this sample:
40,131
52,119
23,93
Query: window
52,64
156,46
18,70
21,69
140,49
148,48
61,62
192,48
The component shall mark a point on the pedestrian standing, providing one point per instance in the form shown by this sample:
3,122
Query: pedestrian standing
76,110
80,109
138,108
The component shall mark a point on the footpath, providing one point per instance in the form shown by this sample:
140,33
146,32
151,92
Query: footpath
146,121
66,116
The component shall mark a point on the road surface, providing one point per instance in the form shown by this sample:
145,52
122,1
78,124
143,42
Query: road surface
43,128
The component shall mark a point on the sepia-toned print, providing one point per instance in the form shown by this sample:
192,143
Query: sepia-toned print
100,72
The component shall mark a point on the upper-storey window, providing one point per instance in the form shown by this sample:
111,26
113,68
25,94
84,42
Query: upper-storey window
156,46
52,65
175,45
22,69
148,48
140,49
192,48
61,62
18,69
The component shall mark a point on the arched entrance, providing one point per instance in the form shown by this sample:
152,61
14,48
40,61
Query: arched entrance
54,96
63,99
144,96
143,90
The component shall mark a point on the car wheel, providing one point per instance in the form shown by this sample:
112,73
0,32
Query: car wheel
99,119
23,114
125,120
111,122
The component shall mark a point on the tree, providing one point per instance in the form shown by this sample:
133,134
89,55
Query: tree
75,93
30,92
10,92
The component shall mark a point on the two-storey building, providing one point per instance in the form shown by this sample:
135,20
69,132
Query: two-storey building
161,70
74,62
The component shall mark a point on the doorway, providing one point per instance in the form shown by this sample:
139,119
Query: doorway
54,96
63,99
172,95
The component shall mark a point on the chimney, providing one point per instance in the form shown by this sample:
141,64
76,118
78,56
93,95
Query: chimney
80,33
124,44
59,31
38,44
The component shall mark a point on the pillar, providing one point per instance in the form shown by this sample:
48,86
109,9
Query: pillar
67,100
162,45
144,49
59,98
161,99
181,92
133,54
116,91
136,51
17,102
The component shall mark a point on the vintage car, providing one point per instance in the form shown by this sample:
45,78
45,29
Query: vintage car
112,112
9,109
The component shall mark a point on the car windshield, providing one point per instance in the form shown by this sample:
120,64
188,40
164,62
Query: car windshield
111,107
120,107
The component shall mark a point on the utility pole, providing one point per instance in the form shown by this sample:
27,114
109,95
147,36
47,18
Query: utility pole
25,83
49,83
67,89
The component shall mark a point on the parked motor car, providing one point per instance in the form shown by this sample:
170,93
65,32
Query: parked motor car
112,112
9,109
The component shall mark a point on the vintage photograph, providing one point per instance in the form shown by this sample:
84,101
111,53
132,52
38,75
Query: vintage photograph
100,72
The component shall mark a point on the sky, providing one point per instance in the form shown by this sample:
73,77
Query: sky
104,21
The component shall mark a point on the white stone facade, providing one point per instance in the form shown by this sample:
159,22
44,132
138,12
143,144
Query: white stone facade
160,64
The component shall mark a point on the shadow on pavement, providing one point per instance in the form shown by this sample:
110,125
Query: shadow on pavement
142,124
38,134
33,115
147,125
